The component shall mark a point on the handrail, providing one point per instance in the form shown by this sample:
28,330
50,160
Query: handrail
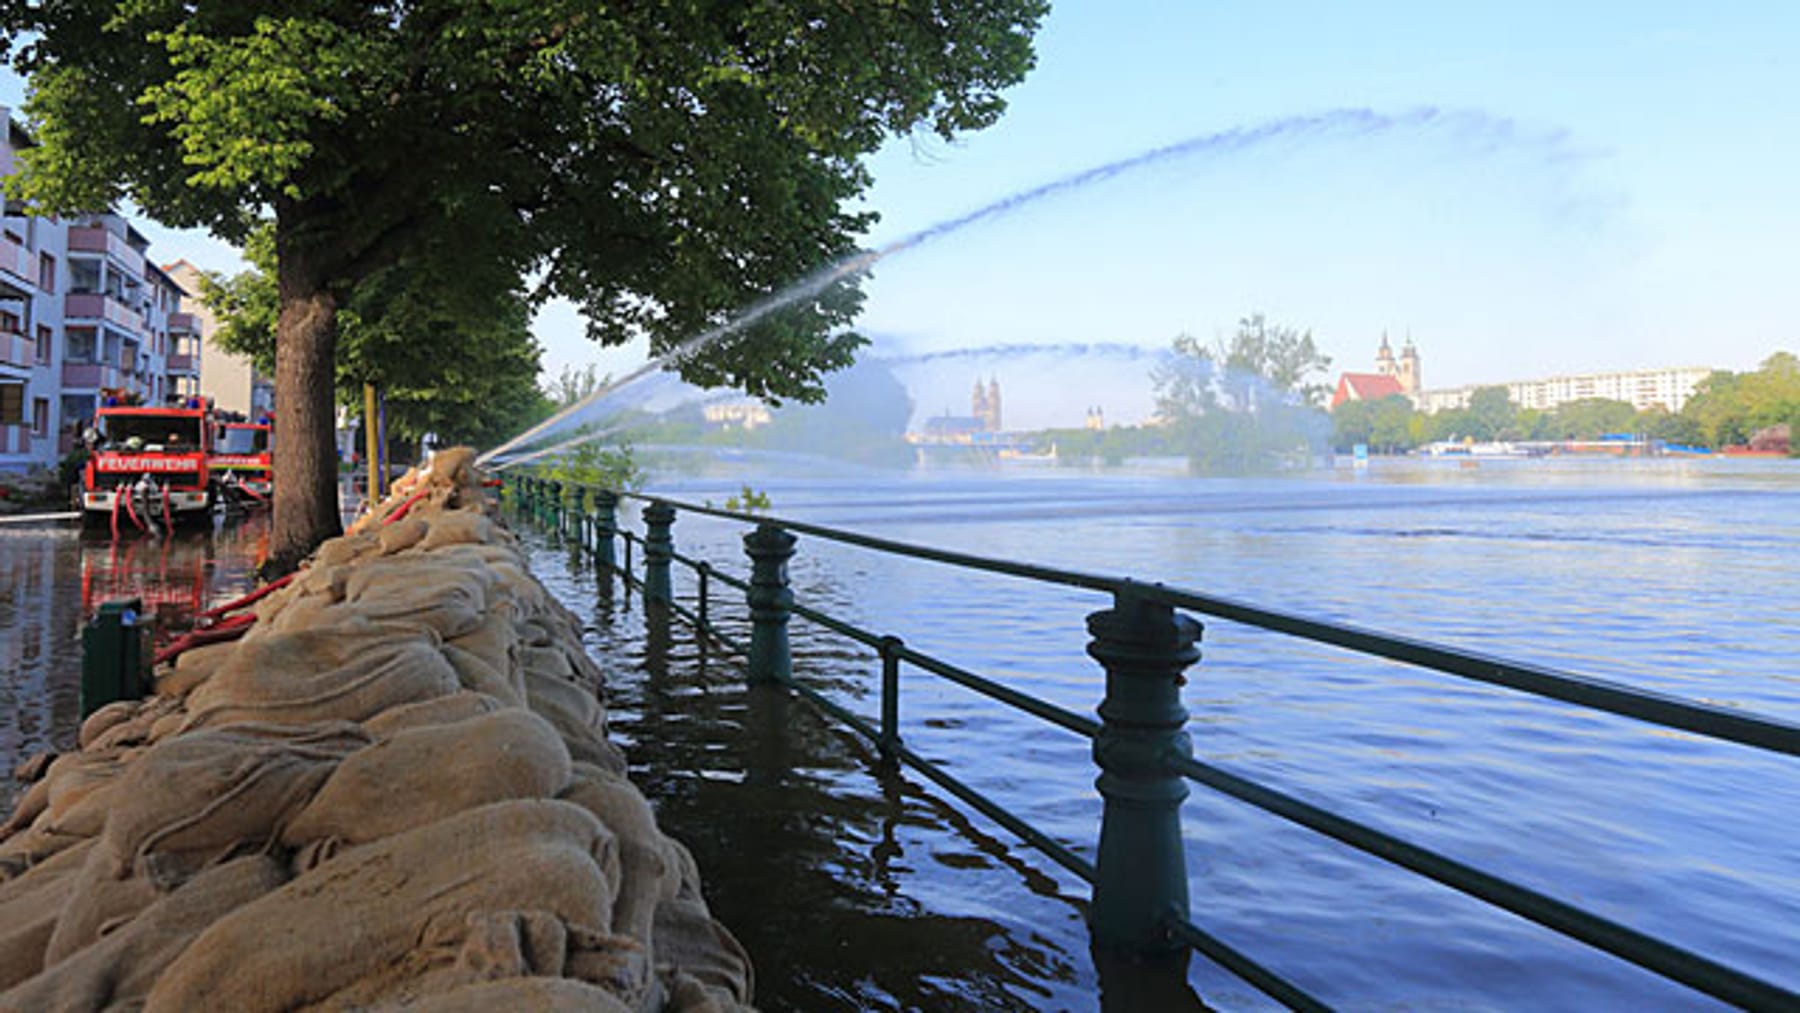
1156,749
1703,719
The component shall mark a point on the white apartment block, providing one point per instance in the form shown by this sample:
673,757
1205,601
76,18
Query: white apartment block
81,311
1642,389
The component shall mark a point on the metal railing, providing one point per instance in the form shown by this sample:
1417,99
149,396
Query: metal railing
1139,877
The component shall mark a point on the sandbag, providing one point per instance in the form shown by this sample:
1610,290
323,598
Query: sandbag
421,775
440,710
118,969
349,671
213,791
544,995
363,914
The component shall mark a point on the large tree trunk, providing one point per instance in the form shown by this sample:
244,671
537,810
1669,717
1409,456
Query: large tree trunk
306,468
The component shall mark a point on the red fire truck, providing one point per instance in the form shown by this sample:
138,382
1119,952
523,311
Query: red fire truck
243,461
148,466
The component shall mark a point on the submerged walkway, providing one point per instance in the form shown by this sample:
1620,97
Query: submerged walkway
395,790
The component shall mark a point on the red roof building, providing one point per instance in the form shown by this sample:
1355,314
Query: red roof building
1365,387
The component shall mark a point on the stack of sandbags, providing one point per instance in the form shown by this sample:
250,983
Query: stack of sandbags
395,791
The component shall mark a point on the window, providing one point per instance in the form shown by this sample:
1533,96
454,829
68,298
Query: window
9,323
47,273
81,344
40,417
12,404
44,337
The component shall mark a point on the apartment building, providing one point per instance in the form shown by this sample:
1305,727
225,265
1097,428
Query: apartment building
1641,388
82,310
232,382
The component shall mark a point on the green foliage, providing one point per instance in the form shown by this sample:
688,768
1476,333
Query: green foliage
662,165
594,464
749,501
453,355
1246,404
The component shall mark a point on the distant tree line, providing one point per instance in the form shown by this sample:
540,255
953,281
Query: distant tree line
1727,408
1243,404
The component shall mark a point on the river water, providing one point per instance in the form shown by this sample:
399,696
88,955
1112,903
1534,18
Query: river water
855,888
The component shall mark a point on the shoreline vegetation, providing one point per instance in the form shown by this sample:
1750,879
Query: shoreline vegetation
1247,406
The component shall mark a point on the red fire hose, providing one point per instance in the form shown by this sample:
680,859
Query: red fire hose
115,514
219,632
168,525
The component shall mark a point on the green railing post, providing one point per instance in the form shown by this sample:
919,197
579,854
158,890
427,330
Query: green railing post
890,697
1141,871
659,551
606,527
770,600
115,655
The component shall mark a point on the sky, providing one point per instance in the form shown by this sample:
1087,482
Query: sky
1523,188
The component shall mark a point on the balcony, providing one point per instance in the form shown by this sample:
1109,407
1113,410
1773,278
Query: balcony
94,306
97,239
17,351
92,376
184,323
16,263
186,365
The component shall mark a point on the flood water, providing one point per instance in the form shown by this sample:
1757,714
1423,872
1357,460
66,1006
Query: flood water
857,888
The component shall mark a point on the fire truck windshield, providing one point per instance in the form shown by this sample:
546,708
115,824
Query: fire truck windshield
149,432
244,440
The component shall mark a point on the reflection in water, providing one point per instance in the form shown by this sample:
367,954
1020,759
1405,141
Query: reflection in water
825,867
52,579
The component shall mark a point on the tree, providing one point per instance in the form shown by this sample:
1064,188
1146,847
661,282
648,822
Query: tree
662,165
452,353
1490,413
1243,404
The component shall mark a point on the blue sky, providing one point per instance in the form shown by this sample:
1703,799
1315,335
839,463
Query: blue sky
1603,185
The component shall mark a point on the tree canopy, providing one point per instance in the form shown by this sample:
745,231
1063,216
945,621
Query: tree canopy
660,164
1245,404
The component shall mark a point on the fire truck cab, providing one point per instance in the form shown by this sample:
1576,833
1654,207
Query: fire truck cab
243,460
155,458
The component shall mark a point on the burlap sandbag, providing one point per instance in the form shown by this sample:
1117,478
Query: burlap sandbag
118,970
440,710
578,717
402,535
422,775
649,871
349,671
690,942
495,644
98,901
29,907
447,597
362,915
212,791
81,788
457,527
545,995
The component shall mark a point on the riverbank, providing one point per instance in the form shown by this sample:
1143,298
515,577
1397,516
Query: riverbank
397,787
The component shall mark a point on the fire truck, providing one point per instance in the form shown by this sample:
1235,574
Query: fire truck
242,461
148,467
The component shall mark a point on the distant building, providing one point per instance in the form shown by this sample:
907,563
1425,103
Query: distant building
81,310
1643,389
229,379
1096,419
983,418
1392,376
744,414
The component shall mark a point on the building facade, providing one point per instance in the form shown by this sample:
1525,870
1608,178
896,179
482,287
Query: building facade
82,312
1643,389
232,381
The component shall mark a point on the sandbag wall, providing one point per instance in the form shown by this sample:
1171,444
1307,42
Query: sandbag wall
395,791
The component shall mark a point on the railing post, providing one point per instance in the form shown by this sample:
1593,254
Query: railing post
659,551
890,697
771,660
1141,872
703,578
606,526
